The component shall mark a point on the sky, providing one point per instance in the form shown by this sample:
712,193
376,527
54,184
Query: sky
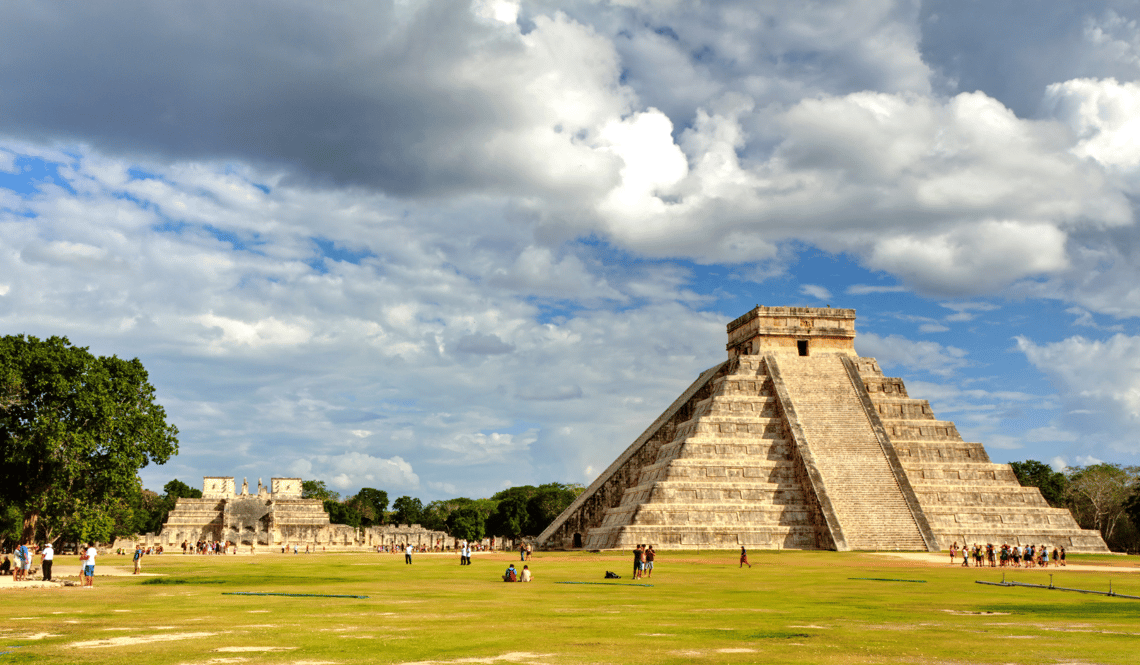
445,247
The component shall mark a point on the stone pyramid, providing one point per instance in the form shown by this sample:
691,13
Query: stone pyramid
796,442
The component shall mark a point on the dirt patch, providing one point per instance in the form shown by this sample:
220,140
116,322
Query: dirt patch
139,639
980,614
33,636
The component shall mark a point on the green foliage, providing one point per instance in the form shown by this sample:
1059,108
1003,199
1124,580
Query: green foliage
511,516
74,431
342,513
315,489
466,522
1097,496
548,503
1054,485
372,504
539,507
176,489
408,510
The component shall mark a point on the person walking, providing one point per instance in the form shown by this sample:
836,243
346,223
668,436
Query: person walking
408,554
138,559
46,558
744,557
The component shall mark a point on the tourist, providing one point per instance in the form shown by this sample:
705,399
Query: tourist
408,554
522,551
744,558
18,569
1045,556
649,556
6,565
525,574
1062,556
89,565
138,559
637,562
953,552
511,575
46,557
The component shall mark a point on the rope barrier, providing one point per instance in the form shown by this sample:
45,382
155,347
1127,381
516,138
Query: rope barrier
885,579
291,595
606,583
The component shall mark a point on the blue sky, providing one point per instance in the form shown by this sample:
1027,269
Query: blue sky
444,247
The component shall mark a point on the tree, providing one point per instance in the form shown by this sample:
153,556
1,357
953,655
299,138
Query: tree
342,513
371,504
315,489
466,522
1097,495
511,517
548,503
408,510
1053,484
74,431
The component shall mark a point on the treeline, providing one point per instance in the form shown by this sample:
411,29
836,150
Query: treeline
515,512
1105,497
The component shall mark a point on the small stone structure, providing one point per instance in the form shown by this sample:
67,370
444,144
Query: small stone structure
275,516
796,442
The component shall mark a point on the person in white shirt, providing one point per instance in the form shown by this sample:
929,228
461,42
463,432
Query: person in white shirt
525,574
89,565
45,561
408,554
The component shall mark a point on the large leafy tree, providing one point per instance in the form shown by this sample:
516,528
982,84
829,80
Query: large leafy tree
74,431
1054,485
467,522
371,504
408,510
1097,496
316,489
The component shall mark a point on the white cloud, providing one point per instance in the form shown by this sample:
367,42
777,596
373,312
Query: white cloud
1099,383
898,351
815,291
867,289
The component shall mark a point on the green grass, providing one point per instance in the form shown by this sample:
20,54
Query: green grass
790,607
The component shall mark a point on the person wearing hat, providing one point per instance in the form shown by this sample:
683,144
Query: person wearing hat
46,557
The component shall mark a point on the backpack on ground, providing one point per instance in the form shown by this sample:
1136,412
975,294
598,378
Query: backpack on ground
610,575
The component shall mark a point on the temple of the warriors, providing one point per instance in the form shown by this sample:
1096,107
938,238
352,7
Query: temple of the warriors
274,516
796,442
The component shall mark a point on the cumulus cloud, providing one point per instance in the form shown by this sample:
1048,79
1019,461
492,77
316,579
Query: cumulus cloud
1099,384
898,351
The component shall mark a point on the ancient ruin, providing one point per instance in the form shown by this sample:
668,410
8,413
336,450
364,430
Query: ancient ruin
275,516
796,442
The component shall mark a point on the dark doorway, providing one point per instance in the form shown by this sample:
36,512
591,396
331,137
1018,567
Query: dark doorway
802,346
577,540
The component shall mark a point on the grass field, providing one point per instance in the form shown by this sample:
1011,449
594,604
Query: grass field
790,607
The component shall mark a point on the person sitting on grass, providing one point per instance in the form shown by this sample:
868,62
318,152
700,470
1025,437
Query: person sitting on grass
525,574
511,575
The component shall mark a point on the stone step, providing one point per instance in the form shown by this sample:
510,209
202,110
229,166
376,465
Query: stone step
863,489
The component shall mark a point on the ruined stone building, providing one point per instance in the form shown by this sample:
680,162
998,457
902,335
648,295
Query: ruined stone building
275,516
796,442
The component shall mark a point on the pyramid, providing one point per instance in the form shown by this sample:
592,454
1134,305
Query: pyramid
796,442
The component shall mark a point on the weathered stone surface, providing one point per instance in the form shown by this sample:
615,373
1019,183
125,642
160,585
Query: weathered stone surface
797,442
275,518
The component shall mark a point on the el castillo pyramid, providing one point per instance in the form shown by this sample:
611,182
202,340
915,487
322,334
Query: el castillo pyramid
796,442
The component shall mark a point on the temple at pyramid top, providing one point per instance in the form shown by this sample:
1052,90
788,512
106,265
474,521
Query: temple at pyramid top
799,330
795,441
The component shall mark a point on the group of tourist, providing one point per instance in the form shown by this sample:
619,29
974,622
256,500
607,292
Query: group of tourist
643,558
20,568
1015,556
208,547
